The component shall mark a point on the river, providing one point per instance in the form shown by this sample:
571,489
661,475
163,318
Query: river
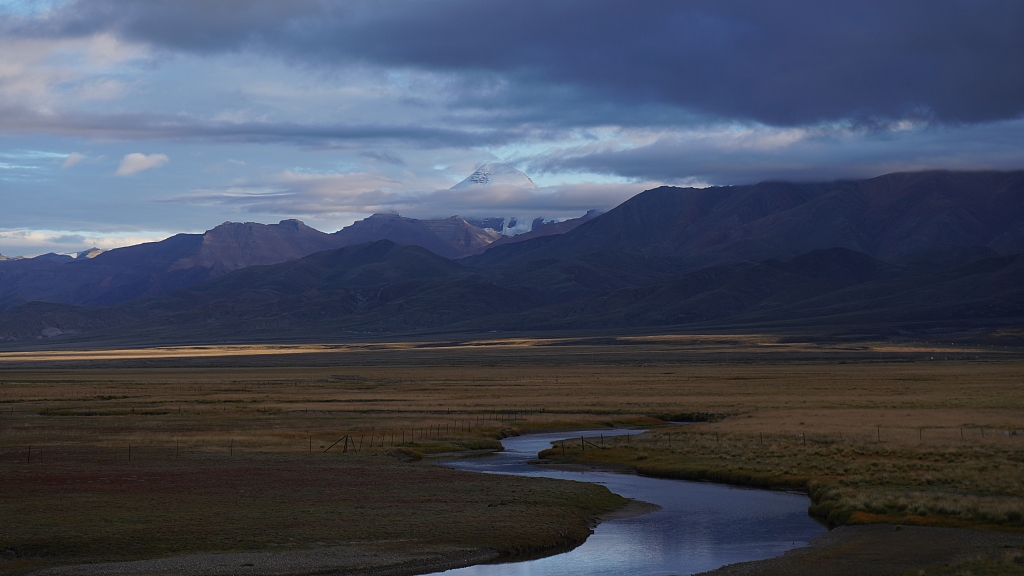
700,526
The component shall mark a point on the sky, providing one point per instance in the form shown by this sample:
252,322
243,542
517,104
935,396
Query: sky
123,121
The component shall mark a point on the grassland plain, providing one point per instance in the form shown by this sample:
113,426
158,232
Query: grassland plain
128,454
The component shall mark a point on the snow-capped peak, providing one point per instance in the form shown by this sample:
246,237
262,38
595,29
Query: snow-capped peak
495,174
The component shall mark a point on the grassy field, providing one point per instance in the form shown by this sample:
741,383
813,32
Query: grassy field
922,443
113,455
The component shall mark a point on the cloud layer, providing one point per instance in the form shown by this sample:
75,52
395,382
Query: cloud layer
364,193
782,63
33,242
331,109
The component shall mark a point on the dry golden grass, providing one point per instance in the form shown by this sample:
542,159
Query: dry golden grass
963,483
270,407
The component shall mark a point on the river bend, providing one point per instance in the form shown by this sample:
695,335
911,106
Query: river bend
700,526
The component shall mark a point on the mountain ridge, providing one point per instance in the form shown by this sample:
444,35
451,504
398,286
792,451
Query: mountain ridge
902,252
157,268
382,288
887,216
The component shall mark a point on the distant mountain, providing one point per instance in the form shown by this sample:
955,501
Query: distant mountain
373,287
886,217
451,238
96,277
157,268
152,269
902,253
539,228
234,245
499,225
383,288
54,257
495,175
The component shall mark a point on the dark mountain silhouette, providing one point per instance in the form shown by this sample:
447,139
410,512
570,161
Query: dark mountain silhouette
383,288
928,251
157,268
886,217
379,286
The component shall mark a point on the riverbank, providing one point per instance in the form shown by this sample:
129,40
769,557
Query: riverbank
379,559
866,549
360,513
894,550
966,483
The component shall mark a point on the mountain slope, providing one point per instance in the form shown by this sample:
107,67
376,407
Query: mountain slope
908,252
886,217
411,232
539,229
234,245
369,287
157,268
381,287
493,174
823,291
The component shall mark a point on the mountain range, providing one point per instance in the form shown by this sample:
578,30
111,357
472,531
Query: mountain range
901,253
159,268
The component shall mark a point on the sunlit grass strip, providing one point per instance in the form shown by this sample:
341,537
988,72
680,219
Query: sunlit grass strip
850,481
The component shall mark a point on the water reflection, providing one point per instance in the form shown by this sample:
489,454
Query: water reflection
700,527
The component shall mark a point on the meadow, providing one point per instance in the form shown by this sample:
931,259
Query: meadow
130,454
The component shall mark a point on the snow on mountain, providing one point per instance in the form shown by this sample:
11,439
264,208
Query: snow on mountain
495,174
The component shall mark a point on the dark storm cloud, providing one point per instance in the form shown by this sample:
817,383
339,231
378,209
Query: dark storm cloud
789,62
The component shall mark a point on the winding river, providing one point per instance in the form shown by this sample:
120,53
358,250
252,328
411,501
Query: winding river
700,526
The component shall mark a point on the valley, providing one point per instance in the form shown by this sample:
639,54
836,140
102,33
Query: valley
238,447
